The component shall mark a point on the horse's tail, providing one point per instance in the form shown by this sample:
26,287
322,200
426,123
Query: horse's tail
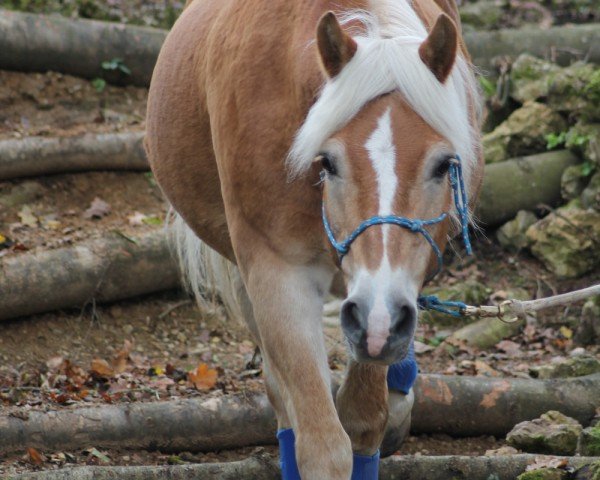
206,274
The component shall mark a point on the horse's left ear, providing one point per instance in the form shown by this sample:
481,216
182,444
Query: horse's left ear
336,47
438,51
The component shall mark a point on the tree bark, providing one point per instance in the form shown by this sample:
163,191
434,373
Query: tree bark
30,42
265,467
105,269
558,44
33,156
521,183
38,43
458,406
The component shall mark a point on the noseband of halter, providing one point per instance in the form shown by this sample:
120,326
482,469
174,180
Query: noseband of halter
414,225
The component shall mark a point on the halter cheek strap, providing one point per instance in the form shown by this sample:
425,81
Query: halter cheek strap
414,225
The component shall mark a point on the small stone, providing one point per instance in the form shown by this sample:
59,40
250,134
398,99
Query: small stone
512,235
588,330
504,450
577,366
590,197
573,182
553,433
522,133
584,140
531,77
588,472
566,241
575,90
589,442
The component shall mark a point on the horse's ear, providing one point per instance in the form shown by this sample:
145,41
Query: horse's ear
336,47
438,51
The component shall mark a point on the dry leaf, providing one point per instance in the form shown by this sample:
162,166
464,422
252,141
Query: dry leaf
27,217
485,370
136,219
35,457
119,363
547,462
98,209
421,347
509,347
101,368
203,378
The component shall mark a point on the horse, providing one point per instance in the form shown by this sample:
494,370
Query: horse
274,128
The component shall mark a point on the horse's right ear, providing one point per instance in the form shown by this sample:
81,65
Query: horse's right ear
336,47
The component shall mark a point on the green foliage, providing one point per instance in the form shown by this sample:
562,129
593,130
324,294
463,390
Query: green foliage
116,64
99,84
488,87
555,140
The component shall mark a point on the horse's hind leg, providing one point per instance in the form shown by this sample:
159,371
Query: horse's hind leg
272,391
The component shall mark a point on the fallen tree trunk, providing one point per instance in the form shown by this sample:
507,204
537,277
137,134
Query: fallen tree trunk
33,42
265,467
38,43
559,44
106,269
33,156
494,406
521,183
113,268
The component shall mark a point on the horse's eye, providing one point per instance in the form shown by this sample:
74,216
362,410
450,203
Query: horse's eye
442,168
327,164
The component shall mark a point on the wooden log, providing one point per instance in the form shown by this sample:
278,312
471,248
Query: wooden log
265,467
33,156
459,406
562,44
521,183
38,43
105,269
33,42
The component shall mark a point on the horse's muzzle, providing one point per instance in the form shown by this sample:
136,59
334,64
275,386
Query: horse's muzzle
370,345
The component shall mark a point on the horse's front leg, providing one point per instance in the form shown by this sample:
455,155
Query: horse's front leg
374,405
287,303
362,403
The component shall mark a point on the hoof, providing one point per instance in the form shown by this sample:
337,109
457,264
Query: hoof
398,425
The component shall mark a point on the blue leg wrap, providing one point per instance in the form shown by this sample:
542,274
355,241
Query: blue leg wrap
287,454
402,375
364,467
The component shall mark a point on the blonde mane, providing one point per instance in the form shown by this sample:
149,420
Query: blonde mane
387,60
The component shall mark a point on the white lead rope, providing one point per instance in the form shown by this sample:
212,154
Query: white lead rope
511,310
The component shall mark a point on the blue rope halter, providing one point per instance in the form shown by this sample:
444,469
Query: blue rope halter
429,302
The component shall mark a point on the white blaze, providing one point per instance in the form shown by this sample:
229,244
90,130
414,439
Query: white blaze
382,154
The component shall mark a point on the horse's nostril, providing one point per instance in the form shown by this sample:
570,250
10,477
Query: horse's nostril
404,323
350,317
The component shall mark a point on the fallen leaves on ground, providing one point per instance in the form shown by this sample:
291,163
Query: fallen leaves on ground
203,378
27,217
34,456
98,209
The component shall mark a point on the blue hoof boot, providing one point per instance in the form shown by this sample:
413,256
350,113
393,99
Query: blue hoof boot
402,375
287,454
365,467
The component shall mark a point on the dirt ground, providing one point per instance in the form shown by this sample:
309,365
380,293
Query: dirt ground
150,348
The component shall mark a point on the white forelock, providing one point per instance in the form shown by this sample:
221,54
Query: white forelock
387,60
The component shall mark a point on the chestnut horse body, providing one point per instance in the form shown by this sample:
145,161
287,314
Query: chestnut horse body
245,95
